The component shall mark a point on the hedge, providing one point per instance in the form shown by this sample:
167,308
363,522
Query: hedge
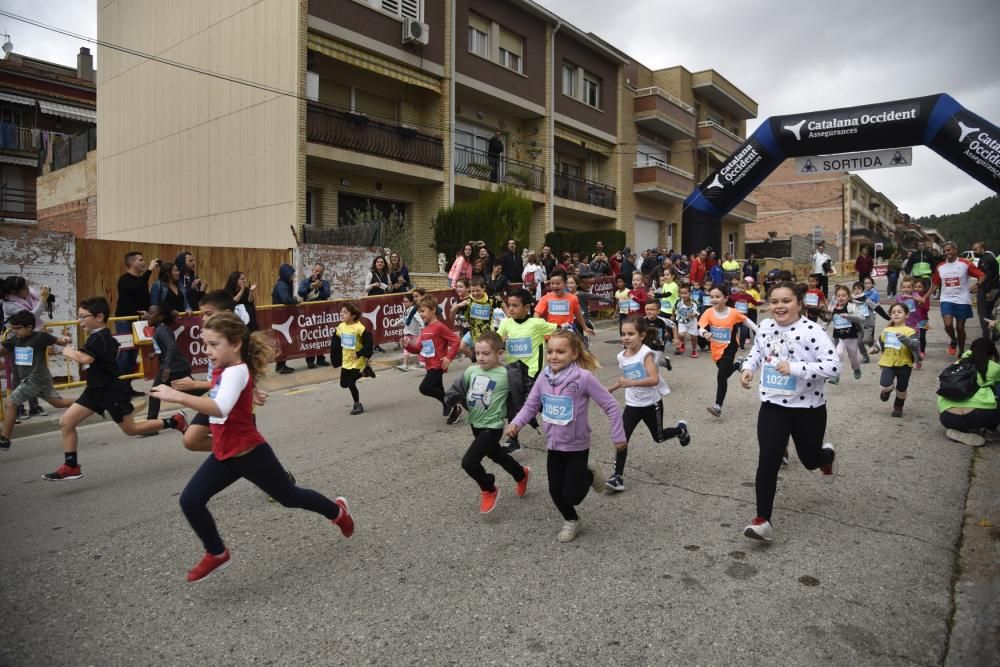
614,240
494,217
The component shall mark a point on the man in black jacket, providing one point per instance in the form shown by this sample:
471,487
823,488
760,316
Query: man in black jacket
989,286
133,300
511,262
921,262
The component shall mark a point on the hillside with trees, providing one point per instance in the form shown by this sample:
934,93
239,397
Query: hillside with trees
979,223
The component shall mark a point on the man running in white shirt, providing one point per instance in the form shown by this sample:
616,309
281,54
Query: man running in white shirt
951,277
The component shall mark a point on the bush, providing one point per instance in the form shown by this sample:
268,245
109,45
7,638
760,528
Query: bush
493,218
614,240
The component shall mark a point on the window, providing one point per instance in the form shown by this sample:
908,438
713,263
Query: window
352,98
511,50
13,116
310,208
479,42
401,8
732,244
591,91
569,80
647,154
510,60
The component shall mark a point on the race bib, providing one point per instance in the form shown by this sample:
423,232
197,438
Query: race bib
623,307
348,341
812,300
427,349
952,282
721,334
498,317
481,391
864,311
519,347
910,304
706,300
742,307
24,356
892,341
635,372
557,410
480,311
841,322
558,307
776,383
666,305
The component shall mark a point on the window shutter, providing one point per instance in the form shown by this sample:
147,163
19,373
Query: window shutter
410,8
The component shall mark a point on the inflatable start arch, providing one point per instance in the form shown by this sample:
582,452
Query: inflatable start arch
968,141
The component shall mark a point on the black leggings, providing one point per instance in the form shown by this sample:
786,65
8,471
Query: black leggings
349,380
775,424
726,365
569,480
652,417
487,445
261,467
433,384
153,409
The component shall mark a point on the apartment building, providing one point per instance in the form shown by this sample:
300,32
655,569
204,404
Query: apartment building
42,105
388,107
839,208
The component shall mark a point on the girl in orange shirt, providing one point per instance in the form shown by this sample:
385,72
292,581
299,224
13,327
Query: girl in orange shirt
718,325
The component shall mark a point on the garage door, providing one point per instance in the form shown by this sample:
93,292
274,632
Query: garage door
647,233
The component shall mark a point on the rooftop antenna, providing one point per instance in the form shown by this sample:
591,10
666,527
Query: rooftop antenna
7,46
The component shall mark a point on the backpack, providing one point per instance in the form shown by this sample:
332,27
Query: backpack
958,381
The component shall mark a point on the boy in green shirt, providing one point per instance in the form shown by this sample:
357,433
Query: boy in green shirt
485,388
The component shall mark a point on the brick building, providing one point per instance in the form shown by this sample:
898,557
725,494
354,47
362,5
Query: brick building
838,208
42,105
395,103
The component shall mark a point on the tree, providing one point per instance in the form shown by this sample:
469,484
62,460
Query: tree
494,217
979,223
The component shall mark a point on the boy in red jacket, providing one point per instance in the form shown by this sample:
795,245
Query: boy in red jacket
437,345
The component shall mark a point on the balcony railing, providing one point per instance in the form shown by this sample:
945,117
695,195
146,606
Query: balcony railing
14,138
587,192
73,149
714,134
664,177
663,113
861,233
358,132
498,169
17,203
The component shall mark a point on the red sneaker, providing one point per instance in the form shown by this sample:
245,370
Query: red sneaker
694,354
180,422
759,529
489,501
64,473
207,566
522,486
829,471
679,350
952,351
344,520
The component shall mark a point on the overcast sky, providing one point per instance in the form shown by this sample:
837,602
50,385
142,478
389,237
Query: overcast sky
790,56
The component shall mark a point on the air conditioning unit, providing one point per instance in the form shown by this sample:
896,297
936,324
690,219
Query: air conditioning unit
415,31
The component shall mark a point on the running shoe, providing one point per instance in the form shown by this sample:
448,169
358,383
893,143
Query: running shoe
834,380
759,529
595,482
920,365
857,373
952,351
402,367
665,362
208,565
970,439
714,410
180,422
64,473
615,483
344,520
684,438
456,412
522,486
489,500
829,471
679,350
368,371
4,444
357,409
694,354
896,412
884,396
37,411
511,446
569,531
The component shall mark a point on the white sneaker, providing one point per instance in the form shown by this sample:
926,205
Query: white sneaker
569,531
597,483
760,529
970,439
829,472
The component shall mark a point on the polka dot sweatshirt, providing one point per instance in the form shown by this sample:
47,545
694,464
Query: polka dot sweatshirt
811,356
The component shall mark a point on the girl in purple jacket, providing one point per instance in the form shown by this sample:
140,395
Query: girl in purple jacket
561,394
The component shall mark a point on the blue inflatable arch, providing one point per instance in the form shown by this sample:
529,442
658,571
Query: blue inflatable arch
968,141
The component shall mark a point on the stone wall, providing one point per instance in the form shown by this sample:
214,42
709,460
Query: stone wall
67,199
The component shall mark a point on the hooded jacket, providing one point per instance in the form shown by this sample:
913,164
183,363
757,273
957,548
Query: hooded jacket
283,293
191,295
515,386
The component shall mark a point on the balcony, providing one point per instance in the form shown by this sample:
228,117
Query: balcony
358,132
662,113
718,139
17,204
722,94
861,234
659,180
500,169
745,211
586,192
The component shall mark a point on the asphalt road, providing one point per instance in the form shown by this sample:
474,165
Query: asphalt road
860,571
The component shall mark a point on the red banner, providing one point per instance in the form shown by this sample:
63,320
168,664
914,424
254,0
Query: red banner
602,286
305,330
880,270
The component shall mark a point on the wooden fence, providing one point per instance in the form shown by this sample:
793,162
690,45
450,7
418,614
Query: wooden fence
99,264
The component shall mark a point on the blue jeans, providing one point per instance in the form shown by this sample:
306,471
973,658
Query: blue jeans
126,358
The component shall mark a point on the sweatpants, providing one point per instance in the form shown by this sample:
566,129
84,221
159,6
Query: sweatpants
726,365
569,480
652,417
433,384
261,467
851,346
775,424
487,445
153,407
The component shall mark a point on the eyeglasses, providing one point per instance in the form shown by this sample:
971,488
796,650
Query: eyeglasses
83,318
